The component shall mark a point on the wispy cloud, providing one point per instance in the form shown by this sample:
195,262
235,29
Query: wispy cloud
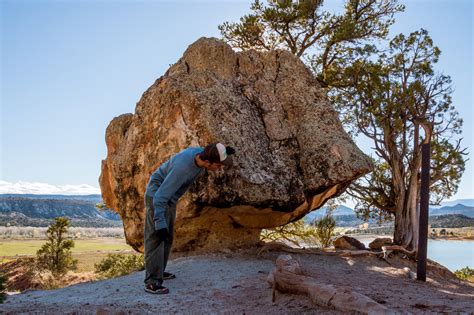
46,189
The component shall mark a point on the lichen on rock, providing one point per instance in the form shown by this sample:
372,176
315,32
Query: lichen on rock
292,152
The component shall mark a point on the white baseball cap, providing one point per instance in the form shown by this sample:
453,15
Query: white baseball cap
225,158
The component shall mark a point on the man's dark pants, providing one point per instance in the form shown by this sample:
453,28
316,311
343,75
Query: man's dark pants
157,252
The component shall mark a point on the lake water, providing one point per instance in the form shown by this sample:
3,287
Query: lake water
452,254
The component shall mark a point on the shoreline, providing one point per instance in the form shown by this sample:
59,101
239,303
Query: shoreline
371,237
451,238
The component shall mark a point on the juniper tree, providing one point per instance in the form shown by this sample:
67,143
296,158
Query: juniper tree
391,98
318,37
387,100
55,255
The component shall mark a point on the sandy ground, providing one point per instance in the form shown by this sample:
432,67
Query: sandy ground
236,283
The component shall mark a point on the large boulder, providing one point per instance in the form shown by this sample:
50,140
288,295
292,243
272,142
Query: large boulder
347,242
292,152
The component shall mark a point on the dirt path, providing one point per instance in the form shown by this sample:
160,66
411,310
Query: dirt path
236,283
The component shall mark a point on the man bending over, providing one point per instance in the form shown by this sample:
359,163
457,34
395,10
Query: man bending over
166,185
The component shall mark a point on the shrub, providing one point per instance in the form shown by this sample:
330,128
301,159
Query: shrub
55,255
3,287
325,230
115,265
464,273
295,233
20,274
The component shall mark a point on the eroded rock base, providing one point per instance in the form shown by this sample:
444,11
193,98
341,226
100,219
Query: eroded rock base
213,230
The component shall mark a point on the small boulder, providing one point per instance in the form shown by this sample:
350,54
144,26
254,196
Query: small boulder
379,242
347,242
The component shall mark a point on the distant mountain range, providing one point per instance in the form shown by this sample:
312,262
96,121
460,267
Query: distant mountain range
39,210
345,216
458,208
94,198
465,202
450,221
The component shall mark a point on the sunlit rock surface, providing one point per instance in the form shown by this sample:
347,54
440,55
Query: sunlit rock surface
292,152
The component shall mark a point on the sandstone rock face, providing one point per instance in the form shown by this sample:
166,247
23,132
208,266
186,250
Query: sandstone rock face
292,152
379,242
347,242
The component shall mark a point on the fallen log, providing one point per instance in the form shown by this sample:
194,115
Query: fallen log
384,253
391,248
287,277
277,246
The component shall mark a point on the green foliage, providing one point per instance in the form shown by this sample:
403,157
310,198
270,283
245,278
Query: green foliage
464,273
3,287
100,205
322,38
325,230
295,233
55,255
392,98
300,234
115,265
385,95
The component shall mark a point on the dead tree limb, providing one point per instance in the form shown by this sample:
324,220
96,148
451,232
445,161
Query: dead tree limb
391,248
386,250
287,277
277,246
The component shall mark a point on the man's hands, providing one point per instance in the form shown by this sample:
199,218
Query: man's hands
163,235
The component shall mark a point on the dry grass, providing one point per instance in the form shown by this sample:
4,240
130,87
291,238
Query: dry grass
88,252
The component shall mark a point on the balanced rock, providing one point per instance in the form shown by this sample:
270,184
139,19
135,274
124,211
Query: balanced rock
347,242
379,242
292,152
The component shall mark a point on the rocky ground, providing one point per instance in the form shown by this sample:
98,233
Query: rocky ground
236,283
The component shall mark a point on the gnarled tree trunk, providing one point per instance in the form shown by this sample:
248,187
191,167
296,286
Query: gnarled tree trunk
407,216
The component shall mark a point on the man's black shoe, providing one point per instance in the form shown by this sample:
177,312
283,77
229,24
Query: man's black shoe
168,276
156,289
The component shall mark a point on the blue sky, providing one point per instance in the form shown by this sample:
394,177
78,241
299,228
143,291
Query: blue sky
69,67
